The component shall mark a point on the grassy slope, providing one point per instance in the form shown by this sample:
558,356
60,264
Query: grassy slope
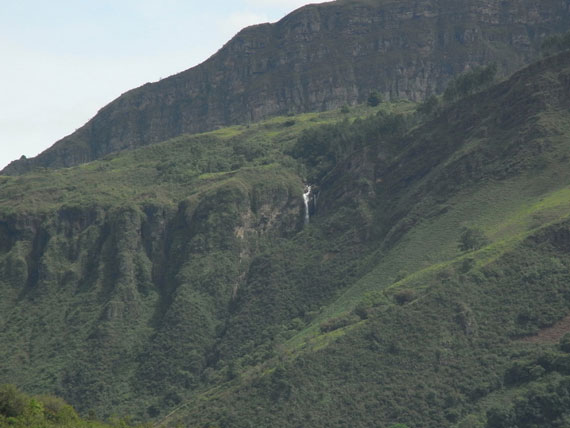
166,173
438,325
124,246
371,314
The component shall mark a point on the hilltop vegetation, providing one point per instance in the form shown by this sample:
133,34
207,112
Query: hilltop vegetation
45,411
319,57
189,289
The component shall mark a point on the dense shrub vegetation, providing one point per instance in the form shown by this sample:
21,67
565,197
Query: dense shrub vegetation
467,83
19,410
430,287
556,43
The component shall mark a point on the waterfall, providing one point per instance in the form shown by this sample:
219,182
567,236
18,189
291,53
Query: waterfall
306,198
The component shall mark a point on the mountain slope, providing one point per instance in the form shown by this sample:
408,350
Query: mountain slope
184,277
318,57
430,335
143,255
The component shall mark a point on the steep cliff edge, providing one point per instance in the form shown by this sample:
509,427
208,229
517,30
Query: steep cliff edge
318,57
112,285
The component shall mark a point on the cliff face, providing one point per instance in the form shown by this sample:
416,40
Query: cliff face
147,283
318,57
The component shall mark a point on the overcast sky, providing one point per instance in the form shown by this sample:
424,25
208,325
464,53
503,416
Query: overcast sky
62,60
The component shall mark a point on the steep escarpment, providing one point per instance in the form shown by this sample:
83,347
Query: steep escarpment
98,302
318,57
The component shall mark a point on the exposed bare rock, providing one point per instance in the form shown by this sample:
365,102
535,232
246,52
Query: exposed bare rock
318,57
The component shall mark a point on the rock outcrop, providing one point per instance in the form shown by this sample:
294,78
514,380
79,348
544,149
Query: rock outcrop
138,279
318,57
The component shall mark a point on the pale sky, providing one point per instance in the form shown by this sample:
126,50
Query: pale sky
62,60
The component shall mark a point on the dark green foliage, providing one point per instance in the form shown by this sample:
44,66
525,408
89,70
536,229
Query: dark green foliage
374,99
19,410
565,343
402,297
556,43
336,323
57,410
472,239
323,148
429,106
12,401
469,82
544,385
500,418
521,372
543,405
362,310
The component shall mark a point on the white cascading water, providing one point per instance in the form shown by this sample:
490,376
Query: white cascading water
306,198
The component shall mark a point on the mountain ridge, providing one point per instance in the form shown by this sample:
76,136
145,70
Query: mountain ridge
319,57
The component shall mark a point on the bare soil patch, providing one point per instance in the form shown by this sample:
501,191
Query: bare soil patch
551,334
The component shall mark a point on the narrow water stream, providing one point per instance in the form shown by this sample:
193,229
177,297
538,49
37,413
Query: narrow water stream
306,199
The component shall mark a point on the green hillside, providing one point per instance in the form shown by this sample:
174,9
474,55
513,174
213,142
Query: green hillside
428,333
179,283
19,410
